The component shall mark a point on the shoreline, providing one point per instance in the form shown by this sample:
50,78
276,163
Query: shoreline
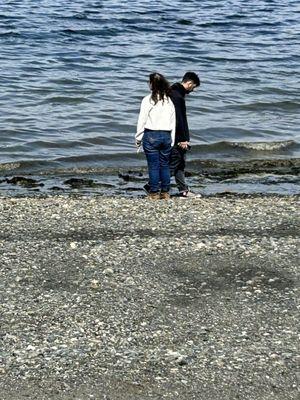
127,298
208,177
250,164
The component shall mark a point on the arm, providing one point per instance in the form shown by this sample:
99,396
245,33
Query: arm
143,115
173,124
182,129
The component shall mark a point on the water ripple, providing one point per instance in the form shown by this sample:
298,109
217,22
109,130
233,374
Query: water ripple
73,74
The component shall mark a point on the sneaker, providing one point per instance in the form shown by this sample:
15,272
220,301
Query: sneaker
154,196
188,194
165,196
147,188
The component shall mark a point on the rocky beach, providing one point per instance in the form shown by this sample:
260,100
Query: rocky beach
104,294
124,298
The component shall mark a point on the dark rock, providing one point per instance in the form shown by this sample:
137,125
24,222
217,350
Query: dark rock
136,173
22,181
131,176
78,182
231,169
125,177
182,361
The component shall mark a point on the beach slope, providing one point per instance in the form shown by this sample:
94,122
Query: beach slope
115,298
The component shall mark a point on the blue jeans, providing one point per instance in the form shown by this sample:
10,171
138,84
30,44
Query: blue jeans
157,148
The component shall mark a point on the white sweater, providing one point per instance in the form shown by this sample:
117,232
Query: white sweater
157,117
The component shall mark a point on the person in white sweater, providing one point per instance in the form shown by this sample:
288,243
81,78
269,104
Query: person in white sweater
156,133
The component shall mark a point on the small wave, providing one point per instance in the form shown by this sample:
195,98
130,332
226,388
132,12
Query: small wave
96,157
9,34
215,24
263,146
15,17
66,81
59,144
184,22
234,148
66,100
92,32
236,16
279,105
80,16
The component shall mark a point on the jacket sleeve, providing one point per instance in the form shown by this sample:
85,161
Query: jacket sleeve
182,128
173,124
143,115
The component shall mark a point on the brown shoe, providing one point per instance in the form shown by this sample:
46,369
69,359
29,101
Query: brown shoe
154,196
165,196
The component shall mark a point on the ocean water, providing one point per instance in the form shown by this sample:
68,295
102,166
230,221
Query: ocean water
72,75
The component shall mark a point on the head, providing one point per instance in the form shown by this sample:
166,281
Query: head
190,81
159,86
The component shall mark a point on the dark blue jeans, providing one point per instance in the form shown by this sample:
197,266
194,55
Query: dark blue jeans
157,148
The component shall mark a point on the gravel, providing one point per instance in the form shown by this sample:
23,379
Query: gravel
117,298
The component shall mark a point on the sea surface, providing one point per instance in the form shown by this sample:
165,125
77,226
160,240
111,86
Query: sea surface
73,73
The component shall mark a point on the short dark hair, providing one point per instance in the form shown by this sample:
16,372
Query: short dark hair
191,76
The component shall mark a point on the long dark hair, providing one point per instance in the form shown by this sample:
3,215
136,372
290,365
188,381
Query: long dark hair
159,86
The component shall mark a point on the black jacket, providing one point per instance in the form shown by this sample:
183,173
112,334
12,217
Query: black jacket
177,95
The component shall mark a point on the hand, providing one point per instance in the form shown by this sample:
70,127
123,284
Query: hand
138,143
183,145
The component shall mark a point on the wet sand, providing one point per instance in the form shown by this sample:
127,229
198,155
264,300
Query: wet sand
115,298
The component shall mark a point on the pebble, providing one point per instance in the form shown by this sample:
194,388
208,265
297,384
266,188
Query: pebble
108,271
94,284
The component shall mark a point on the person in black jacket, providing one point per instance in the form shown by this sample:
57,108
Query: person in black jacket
189,82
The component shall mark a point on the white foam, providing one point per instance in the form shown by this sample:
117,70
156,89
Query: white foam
9,166
264,146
